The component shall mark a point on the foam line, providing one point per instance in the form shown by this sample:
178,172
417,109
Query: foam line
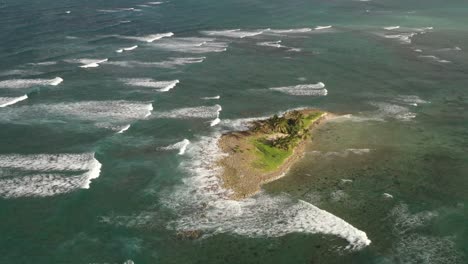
211,98
203,112
6,101
317,89
28,83
392,28
323,27
162,86
181,146
47,174
125,128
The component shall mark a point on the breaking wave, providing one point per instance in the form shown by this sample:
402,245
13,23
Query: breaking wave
234,33
28,83
317,89
162,86
171,63
147,38
181,146
6,101
191,45
204,112
126,49
203,204
47,174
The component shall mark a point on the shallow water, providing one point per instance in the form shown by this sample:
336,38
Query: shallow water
111,163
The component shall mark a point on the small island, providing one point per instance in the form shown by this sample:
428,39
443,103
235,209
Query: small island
266,151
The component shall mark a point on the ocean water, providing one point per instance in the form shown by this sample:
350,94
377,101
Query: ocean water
110,112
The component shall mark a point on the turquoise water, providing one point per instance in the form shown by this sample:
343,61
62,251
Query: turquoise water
95,166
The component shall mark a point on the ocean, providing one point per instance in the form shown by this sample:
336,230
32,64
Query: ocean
110,112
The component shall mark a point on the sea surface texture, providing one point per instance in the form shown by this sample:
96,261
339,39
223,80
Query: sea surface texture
110,113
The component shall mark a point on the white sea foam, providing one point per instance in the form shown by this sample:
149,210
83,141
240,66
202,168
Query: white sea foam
125,128
435,58
412,100
211,98
392,27
323,27
28,83
191,45
274,44
162,86
234,33
147,38
387,196
91,63
204,112
404,38
355,118
171,63
154,3
47,174
202,204
289,31
6,101
388,110
343,154
105,114
180,146
317,89
126,49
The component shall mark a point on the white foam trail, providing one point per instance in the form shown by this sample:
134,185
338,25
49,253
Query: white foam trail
59,173
203,205
387,196
289,31
317,89
204,112
405,38
125,128
88,63
28,83
147,38
68,12
343,154
162,86
435,58
211,98
127,49
191,45
173,62
412,100
392,27
234,33
274,44
104,114
6,101
155,3
181,146
323,27
387,110
215,122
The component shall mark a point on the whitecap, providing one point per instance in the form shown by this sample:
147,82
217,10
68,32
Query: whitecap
47,174
181,146
204,112
125,128
317,89
289,31
162,86
191,45
91,63
171,63
234,33
6,101
127,49
217,97
147,38
323,27
28,83
392,27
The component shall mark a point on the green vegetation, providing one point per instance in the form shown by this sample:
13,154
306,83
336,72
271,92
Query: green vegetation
279,136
